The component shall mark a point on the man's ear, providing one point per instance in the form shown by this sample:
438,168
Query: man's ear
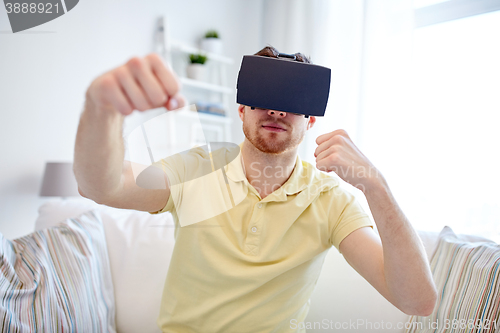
241,111
311,122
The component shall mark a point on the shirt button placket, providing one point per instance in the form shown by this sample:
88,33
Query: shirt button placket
260,205
253,227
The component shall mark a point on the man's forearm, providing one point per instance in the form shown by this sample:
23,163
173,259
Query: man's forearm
406,267
99,152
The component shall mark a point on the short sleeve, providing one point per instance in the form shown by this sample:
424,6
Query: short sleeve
173,167
168,206
193,184
346,215
199,188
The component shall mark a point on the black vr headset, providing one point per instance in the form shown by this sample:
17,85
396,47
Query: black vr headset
283,85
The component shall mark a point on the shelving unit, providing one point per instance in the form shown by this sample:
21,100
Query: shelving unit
215,89
205,85
175,45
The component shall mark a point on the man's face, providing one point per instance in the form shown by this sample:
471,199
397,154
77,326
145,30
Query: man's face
274,132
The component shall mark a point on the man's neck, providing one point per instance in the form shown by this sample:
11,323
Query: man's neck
267,172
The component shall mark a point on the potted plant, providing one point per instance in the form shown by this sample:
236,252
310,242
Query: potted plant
196,67
212,42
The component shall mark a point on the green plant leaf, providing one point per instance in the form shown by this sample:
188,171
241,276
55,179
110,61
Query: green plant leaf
212,34
197,58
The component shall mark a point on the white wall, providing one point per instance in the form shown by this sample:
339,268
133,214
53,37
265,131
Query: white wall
44,73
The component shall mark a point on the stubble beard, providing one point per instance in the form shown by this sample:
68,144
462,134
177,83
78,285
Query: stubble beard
273,145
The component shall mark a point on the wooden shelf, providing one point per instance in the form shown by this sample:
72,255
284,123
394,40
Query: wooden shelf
211,56
205,85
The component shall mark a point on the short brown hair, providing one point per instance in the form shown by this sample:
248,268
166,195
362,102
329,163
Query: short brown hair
271,52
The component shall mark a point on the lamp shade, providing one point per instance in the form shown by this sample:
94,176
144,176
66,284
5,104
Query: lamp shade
59,180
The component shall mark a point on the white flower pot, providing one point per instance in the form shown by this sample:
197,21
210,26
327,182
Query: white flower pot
196,72
213,45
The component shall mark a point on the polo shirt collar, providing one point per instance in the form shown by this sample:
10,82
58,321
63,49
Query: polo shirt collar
295,183
234,169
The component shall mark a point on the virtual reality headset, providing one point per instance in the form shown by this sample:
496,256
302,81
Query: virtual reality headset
283,85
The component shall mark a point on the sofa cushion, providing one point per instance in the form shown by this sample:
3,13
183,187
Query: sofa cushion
467,278
57,279
139,245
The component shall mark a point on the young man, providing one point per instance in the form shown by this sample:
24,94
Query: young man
253,267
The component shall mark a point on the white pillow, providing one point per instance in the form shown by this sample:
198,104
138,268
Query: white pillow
139,246
57,210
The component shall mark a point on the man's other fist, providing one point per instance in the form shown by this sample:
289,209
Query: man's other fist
336,152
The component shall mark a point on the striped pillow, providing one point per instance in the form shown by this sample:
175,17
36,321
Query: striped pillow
57,279
467,277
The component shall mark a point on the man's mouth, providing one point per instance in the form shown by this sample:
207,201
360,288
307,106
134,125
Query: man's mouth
274,127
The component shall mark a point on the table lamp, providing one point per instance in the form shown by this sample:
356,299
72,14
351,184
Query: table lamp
59,180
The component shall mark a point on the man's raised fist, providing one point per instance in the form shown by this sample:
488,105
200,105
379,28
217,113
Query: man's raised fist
140,84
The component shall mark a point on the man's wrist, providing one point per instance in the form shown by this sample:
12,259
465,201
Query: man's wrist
102,114
374,184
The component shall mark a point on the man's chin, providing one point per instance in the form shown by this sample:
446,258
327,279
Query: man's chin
272,147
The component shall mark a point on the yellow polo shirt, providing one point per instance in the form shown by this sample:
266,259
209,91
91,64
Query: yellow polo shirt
252,267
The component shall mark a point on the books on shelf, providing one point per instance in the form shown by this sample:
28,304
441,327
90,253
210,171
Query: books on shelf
211,108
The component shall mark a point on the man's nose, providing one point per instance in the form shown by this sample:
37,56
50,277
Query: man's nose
279,114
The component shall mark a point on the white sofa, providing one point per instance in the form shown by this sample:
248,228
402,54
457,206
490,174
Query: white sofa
139,248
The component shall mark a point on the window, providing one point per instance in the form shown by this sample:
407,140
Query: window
454,137
425,3
438,11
